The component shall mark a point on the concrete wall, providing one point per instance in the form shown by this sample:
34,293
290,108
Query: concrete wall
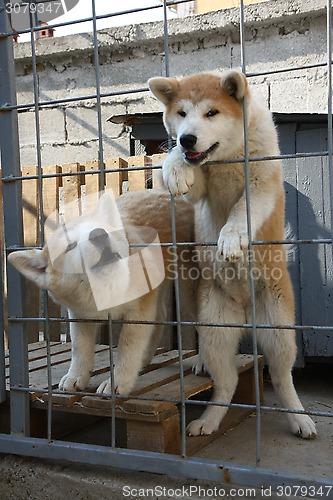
278,34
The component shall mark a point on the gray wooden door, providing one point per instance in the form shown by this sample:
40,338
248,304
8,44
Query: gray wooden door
308,216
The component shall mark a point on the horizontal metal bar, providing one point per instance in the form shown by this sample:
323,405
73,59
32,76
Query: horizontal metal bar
91,18
174,323
161,463
67,100
197,244
173,400
12,178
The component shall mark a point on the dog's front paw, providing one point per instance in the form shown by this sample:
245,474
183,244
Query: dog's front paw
232,243
122,386
202,427
303,426
74,381
178,177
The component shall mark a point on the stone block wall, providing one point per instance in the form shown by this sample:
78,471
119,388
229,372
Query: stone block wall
279,34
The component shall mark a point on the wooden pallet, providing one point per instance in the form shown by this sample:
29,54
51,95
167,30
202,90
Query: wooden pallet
152,424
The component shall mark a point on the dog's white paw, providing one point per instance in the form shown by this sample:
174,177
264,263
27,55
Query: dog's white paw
303,426
178,177
122,386
198,368
202,427
74,381
232,243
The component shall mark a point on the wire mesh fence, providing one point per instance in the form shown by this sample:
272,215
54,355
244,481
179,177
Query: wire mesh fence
23,388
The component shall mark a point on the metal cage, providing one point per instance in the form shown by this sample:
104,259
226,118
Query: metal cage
18,441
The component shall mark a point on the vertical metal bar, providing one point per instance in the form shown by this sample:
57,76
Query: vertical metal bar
44,297
249,230
165,40
98,100
12,203
176,281
113,400
2,326
329,105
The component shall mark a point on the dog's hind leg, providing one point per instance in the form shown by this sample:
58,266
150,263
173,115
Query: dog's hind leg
279,348
218,347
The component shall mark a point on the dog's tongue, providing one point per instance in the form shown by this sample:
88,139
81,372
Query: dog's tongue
192,155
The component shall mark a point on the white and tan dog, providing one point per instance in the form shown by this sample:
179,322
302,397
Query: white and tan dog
109,277
204,113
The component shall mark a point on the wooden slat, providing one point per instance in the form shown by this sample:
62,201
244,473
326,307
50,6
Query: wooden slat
31,238
91,181
171,390
158,159
51,206
145,383
71,185
114,180
137,179
167,358
192,385
38,378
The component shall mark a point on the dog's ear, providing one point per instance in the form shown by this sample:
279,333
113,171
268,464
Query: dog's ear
164,89
234,82
32,264
107,211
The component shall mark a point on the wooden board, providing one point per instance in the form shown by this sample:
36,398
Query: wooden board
153,422
137,179
51,187
30,207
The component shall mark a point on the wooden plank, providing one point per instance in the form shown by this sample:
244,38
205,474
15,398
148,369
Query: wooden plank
31,238
137,179
51,187
162,437
71,187
167,358
192,385
37,354
145,383
114,180
157,176
91,181
38,378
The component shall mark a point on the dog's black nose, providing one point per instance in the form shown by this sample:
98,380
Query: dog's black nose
188,141
99,237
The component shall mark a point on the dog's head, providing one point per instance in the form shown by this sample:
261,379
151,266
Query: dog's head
84,265
204,113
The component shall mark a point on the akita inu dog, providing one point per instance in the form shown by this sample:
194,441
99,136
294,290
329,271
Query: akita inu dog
204,113
89,268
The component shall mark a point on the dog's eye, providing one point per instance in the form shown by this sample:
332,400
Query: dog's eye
212,112
70,246
182,113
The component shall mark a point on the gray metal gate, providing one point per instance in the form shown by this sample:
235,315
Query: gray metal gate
18,441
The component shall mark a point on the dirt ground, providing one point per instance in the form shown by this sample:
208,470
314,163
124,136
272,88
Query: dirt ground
31,479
